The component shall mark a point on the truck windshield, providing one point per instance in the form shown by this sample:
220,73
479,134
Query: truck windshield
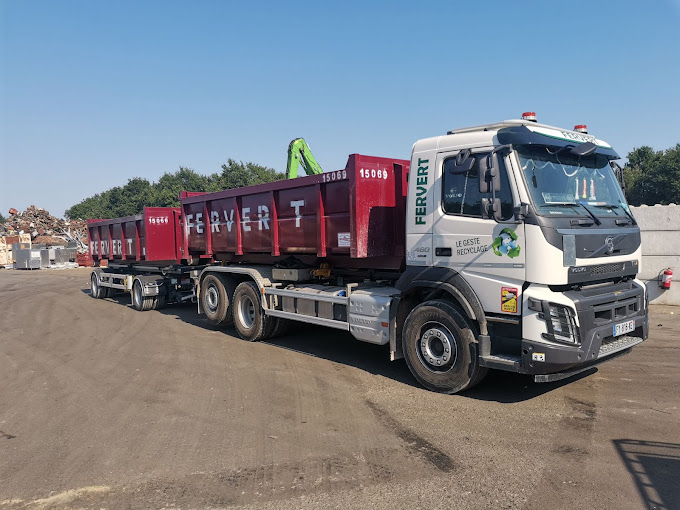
561,183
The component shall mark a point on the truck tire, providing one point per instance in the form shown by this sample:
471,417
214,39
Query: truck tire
96,290
160,302
141,302
217,291
281,326
249,318
440,348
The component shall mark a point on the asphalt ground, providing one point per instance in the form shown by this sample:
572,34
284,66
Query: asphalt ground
102,406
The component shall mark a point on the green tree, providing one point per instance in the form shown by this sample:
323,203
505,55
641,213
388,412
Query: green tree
653,177
138,193
238,174
2,218
166,190
118,201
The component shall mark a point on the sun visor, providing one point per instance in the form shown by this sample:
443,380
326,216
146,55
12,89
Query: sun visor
540,135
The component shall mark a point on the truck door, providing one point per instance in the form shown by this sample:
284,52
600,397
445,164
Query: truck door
490,254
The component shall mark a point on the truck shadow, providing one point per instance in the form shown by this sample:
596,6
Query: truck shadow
341,347
655,468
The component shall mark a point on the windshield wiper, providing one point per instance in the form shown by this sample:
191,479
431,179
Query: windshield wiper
625,211
573,204
591,213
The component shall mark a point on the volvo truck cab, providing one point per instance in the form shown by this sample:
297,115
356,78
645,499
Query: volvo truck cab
528,224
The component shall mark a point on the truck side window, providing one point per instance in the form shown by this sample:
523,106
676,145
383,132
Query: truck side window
461,194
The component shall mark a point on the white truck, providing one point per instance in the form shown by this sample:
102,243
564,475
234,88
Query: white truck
505,246
527,226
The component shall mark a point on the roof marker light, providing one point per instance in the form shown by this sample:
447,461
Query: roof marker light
581,128
531,116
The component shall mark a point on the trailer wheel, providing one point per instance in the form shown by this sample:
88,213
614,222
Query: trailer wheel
249,318
161,301
96,290
139,301
216,293
440,348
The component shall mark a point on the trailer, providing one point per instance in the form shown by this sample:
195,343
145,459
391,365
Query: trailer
142,256
506,246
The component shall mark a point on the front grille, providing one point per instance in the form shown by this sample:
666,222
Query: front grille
615,311
612,344
617,267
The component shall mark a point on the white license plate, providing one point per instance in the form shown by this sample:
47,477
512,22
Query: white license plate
624,327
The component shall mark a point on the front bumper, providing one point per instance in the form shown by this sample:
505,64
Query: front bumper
598,312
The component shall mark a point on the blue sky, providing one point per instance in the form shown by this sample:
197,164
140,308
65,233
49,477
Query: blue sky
93,93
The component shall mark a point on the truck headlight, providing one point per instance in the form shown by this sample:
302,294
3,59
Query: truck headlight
561,323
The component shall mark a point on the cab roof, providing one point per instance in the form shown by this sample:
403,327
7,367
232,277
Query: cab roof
515,131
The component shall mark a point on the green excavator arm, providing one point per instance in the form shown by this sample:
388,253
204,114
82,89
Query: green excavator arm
299,152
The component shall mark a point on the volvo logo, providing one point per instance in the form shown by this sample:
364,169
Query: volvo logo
609,243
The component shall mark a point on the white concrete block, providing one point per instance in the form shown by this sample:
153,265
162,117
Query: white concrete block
651,265
657,217
660,242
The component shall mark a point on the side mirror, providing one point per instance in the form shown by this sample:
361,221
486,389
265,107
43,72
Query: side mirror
490,174
618,173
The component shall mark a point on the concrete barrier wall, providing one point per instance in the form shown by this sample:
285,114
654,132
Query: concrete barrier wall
660,226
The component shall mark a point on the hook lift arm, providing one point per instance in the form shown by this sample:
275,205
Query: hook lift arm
299,152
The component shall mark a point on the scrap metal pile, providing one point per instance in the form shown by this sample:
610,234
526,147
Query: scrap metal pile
45,228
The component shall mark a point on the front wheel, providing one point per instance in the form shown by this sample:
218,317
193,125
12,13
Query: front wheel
440,348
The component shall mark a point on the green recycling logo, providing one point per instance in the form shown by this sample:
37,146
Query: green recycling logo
506,243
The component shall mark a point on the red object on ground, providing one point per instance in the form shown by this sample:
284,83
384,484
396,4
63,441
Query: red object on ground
352,218
12,210
84,259
151,237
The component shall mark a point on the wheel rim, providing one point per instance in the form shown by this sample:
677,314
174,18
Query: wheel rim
437,348
212,298
246,311
94,285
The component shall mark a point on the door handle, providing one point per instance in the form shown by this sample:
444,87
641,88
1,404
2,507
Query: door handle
442,252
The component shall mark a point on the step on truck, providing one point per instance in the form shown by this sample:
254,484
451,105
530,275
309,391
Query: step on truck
505,246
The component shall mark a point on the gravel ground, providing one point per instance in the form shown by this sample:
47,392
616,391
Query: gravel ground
105,407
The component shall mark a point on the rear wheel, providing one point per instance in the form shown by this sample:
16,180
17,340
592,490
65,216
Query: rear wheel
216,295
249,318
281,326
440,348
